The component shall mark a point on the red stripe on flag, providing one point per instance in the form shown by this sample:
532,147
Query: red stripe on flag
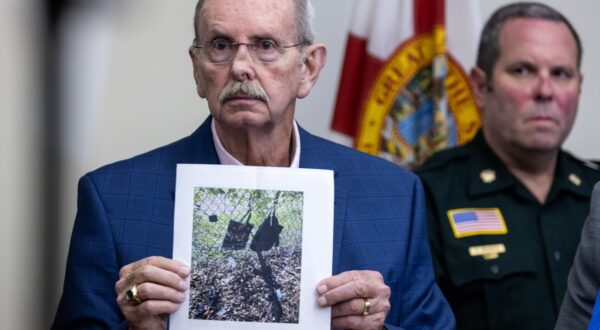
358,74
427,14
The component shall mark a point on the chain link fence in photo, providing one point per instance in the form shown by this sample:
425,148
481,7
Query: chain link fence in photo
246,253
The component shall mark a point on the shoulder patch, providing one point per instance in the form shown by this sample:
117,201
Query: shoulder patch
586,163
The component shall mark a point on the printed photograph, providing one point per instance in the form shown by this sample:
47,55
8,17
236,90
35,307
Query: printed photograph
246,255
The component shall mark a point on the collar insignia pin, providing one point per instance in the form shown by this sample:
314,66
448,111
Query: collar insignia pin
575,179
488,176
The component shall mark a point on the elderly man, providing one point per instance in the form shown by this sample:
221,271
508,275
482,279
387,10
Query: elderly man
252,59
506,210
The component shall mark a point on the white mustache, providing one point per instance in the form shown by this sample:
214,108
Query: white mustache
243,88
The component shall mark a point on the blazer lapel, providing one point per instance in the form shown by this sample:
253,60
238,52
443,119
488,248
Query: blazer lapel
198,148
201,146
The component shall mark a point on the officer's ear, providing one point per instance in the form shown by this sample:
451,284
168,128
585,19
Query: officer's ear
480,86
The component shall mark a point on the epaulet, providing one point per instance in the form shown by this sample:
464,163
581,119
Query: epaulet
593,164
442,158
588,163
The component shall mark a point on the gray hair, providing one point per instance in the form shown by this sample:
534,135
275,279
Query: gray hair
489,45
305,17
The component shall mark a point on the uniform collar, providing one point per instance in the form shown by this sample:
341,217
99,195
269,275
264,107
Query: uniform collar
489,174
570,176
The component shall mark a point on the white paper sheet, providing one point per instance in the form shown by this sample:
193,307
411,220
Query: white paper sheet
218,212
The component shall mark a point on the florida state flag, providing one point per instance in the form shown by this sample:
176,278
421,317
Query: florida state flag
403,92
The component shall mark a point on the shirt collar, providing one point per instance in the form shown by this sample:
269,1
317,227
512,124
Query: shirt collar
225,158
484,161
567,175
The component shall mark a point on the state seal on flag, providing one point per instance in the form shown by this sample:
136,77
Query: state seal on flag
420,102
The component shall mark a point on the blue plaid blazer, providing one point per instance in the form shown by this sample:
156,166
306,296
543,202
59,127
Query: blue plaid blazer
125,213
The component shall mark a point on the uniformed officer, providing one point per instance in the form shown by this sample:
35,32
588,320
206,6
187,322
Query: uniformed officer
506,209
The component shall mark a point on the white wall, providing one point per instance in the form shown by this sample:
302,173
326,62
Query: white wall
145,97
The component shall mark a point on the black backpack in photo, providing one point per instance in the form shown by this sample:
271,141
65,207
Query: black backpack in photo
267,234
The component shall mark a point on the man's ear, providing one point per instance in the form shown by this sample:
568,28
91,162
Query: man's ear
314,60
197,71
479,85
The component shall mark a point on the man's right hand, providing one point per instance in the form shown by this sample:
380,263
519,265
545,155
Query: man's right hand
161,284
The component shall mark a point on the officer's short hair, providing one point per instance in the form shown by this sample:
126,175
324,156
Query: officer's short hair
489,44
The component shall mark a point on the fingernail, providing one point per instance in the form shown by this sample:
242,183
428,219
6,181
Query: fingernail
182,296
184,271
322,289
183,285
322,301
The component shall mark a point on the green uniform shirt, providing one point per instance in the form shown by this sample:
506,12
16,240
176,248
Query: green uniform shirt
500,257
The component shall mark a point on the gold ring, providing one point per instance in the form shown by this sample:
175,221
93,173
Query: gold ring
132,296
366,307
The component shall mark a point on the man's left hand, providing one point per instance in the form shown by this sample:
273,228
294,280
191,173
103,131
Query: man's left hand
359,299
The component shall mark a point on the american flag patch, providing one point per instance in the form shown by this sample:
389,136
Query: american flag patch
471,222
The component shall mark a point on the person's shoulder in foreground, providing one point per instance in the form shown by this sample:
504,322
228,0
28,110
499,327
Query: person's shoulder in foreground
595,321
584,279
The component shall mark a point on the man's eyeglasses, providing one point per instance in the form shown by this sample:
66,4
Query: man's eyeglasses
221,50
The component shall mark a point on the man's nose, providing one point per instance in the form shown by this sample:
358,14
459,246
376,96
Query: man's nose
242,63
544,90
